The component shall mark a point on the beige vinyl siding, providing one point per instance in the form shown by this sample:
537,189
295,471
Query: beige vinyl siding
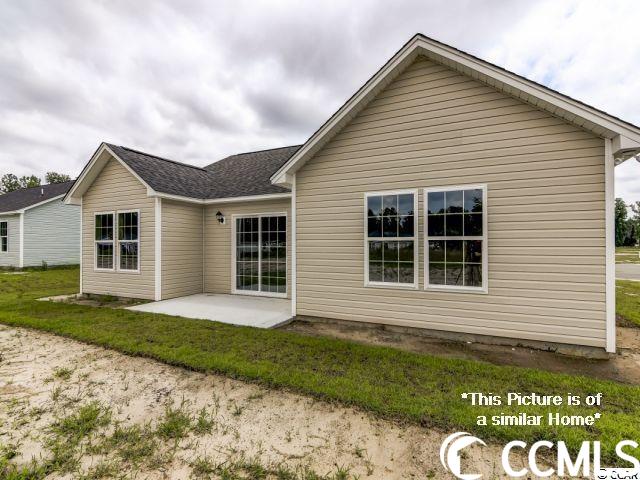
182,236
115,189
11,258
218,241
433,127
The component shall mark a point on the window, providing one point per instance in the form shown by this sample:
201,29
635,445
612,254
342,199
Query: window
128,240
456,238
390,252
104,241
4,237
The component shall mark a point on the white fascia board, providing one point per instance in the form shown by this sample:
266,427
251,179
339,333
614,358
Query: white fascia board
177,198
78,189
544,98
250,198
212,201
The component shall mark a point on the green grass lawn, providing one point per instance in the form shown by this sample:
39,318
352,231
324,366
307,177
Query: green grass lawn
628,301
411,387
627,255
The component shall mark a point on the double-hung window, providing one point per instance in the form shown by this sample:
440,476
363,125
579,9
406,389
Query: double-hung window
117,241
4,237
128,235
456,238
391,253
104,241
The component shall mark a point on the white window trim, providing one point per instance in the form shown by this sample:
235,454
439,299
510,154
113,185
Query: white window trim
416,246
118,242
484,289
7,237
95,242
258,293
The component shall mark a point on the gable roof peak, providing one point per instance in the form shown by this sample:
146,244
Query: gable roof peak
623,133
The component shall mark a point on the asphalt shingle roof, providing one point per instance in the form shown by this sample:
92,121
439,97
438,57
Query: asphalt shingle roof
164,175
238,175
249,173
25,197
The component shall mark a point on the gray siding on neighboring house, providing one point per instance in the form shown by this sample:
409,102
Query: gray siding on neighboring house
182,235
117,189
218,242
52,234
433,127
11,258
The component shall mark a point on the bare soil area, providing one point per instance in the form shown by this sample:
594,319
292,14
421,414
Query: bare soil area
95,413
623,367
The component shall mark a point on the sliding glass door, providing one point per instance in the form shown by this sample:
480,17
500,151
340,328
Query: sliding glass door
261,255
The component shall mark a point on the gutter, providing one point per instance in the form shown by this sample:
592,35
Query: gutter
213,201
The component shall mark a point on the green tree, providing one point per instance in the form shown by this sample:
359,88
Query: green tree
29,181
55,177
621,222
8,183
634,221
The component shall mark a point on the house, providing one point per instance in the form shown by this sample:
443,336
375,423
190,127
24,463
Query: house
36,227
446,194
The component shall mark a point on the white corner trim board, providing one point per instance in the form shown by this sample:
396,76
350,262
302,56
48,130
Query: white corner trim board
81,246
294,255
158,249
21,246
610,274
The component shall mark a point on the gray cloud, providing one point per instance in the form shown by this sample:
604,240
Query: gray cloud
198,80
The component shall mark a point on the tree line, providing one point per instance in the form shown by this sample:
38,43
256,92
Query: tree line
627,226
10,182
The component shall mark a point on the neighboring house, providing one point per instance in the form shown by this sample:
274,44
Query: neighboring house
36,226
446,194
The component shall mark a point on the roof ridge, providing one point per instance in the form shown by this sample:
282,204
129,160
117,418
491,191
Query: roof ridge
38,186
163,158
263,150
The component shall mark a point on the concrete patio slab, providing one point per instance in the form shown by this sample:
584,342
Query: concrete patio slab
261,312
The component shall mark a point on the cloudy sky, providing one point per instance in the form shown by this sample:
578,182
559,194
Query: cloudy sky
198,80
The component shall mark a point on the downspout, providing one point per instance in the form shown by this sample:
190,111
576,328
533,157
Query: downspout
610,257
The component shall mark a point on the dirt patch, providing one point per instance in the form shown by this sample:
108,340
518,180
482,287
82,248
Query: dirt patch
90,300
46,380
624,367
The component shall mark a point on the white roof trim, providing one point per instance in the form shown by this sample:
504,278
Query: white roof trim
80,186
210,201
571,110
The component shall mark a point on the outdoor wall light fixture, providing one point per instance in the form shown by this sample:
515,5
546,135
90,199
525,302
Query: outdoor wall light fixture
220,217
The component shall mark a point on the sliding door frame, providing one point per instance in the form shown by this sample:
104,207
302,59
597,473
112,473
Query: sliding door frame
258,292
